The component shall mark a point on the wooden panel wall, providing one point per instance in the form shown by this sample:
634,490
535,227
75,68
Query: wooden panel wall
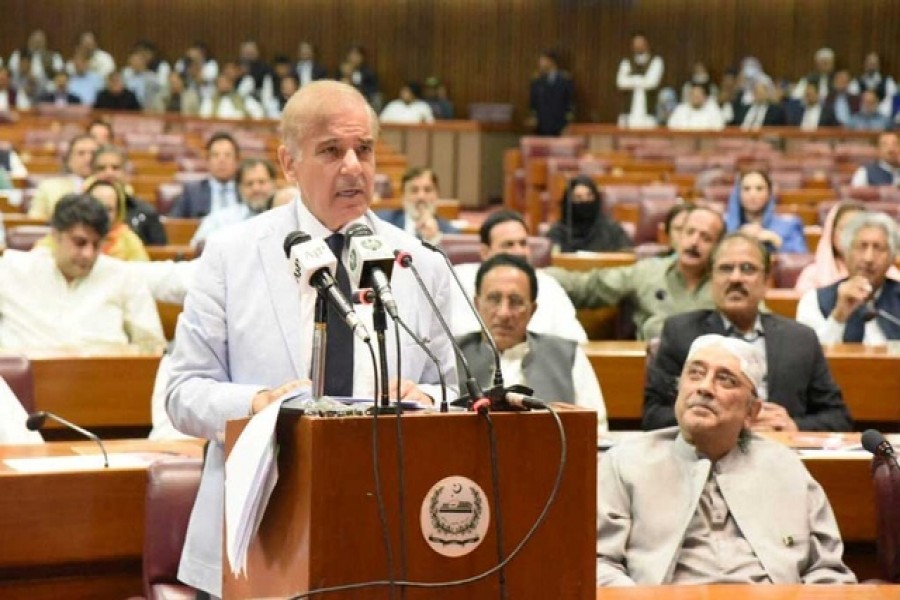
486,49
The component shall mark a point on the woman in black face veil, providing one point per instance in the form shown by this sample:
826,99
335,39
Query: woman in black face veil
583,224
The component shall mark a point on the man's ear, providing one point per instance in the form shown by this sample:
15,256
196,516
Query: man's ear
287,162
485,251
753,411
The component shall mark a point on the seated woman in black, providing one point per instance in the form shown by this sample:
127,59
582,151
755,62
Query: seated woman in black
591,230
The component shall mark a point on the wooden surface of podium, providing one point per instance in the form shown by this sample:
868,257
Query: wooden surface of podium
321,527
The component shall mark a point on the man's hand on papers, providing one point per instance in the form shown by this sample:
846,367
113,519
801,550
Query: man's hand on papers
266,397
410,391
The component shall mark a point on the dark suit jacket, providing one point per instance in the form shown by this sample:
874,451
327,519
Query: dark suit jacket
774,115
798,375
397,218
50,98
144,220
826,116
194,202
551,103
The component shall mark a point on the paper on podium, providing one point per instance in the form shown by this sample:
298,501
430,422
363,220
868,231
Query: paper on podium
250,476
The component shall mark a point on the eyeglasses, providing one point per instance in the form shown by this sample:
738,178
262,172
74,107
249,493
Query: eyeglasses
517,304
746,269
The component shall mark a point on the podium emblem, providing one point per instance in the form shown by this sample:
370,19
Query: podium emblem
455,516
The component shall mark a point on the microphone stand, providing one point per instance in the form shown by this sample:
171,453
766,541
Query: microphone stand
319,347
379,320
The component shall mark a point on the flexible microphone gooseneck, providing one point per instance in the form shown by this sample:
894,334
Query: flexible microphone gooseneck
36,421
404,259
875,442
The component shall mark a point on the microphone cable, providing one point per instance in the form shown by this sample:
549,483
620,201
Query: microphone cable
379,498
401,487
551,499
495,483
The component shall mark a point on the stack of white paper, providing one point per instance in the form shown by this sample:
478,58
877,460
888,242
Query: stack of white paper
250,475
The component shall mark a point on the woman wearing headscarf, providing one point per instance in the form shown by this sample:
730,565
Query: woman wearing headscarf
751,209
591,230
829,267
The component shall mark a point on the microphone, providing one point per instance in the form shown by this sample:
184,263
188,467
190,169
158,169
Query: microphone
371,263
871,311
660,294
498,375
524,402
312,262
874,442
36,420
404,259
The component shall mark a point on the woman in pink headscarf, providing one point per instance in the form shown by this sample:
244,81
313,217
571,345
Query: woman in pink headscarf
829,265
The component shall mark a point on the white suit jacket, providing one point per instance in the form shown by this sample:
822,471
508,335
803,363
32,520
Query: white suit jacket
648,491
246,327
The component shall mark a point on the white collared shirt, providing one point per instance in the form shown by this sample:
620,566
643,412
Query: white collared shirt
756,337
810,120
827,329
12,419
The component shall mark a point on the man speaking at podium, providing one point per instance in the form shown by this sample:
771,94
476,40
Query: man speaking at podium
245,336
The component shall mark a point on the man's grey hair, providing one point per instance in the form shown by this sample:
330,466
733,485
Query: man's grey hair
868,220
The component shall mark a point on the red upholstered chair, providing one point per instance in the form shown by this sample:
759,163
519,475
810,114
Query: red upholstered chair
886,481
462,247
24,237
786,268
652,213
540,248
171,490
491,112
16,371
383,186
868,193
166,195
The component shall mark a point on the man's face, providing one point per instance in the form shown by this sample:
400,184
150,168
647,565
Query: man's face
249,51
676,227
889,148
697,97
545,65
110,167
420,193
509,237
714,397
76,251
4,78
306,51
702,229
334,165
505,305
869,103
80,157
114,83
869,255
825,64
811,95
257,187
406,94
639,45
841,81
224,84
222,160
739,282
872,63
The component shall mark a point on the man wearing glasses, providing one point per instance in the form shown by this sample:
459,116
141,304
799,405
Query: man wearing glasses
797,389
506,289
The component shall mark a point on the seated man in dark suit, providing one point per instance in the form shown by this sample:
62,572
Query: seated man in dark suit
884,171
60,94
219,190
811,114
798,391
418,215
761,112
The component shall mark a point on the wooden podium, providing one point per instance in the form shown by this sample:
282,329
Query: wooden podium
321,527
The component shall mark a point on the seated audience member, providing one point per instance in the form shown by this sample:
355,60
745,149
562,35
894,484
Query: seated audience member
821,76
886,170
674,224
308,69
77,166
504,231
274,104
761,112
227,103
435,94
120,242
700,75
12,164
138,77
840,99
256,185
361,75
176,98
865,306
99,61
583,225
659,287
83,82
796,388
101,131
812,114
25,82
708,501
110,164
407,108
506,290
829,266
216,192
70,295
872,79
115,96
11,98
419,213
751,209
36,60
697,113
868,117
60,94
12,419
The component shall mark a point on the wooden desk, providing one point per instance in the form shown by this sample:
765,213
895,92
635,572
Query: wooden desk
585,261
76,534
868,377
752,592
171,252
783,301
96,391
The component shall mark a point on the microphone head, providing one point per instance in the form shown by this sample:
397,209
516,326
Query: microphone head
292,239
36,420
367,252
358,230
403,258
364,296
874,442
660,294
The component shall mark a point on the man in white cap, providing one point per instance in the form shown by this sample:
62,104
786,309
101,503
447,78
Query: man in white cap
822,76
708,501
